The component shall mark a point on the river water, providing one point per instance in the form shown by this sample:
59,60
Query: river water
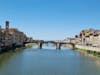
33,61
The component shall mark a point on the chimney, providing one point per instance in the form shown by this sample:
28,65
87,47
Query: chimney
7,24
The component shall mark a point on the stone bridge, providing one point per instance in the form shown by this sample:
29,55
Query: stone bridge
58,44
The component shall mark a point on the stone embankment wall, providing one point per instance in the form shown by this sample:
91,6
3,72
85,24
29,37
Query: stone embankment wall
87,48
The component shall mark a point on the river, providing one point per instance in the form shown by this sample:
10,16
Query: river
48,61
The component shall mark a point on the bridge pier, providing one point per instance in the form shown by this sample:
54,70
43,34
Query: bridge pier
58,46
40,45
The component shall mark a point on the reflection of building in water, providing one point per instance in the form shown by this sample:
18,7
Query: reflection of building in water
97,63
5,57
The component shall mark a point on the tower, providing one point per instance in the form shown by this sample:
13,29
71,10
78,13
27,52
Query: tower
0,28
7,25
0,38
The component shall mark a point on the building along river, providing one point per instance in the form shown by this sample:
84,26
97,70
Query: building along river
48,61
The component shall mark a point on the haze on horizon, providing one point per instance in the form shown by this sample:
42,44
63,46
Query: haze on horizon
51,19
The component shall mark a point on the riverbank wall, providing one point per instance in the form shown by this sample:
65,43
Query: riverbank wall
11,48
89,49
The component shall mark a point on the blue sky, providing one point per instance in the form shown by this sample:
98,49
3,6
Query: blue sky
51,19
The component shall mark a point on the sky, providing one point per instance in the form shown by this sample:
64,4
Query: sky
50,19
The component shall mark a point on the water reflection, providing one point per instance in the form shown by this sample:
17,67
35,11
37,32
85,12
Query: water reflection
5,57
48,61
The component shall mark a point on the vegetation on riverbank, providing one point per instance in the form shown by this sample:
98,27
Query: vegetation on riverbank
89,51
